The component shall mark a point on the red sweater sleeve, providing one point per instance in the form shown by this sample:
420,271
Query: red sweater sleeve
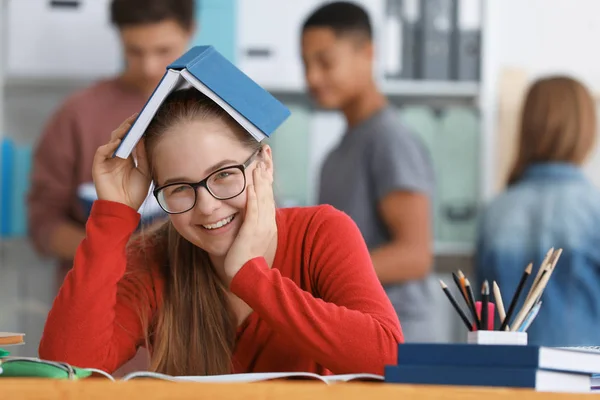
89,325
350,326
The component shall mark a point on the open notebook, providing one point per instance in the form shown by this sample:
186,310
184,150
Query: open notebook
250,377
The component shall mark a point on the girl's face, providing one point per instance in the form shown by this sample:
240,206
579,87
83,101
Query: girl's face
189,153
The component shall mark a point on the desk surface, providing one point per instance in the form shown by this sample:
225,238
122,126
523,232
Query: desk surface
25,389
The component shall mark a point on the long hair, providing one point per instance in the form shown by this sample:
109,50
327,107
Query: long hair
193,330
558,124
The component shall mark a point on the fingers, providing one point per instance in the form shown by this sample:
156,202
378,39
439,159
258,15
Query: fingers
251,216
264,191
120,132
107,150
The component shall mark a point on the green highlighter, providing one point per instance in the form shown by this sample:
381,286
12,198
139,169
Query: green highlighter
30,367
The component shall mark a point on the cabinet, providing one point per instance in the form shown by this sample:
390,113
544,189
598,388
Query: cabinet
60,39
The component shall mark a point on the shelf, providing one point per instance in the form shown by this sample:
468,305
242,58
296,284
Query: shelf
431,89
453,249
48,82
440,89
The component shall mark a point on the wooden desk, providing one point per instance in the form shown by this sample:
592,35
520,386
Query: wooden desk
26,389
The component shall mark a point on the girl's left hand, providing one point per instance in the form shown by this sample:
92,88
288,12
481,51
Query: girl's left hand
259,229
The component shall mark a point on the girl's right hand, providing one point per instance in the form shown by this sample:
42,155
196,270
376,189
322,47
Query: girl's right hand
121,180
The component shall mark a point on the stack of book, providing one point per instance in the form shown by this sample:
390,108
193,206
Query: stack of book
545,369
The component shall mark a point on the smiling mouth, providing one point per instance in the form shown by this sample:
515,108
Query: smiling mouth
220,224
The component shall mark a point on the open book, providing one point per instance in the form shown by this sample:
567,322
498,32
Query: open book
205,69
250,377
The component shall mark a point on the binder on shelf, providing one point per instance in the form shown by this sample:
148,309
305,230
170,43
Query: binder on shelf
393,39
7,149
411,38
438,26
467,51
20,179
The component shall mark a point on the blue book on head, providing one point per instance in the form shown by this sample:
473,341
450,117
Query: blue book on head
204,68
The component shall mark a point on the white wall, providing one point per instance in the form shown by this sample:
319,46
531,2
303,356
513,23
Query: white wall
541,37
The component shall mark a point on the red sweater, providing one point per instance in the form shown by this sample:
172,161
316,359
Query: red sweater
320,308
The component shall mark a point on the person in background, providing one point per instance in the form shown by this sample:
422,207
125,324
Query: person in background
549,203
380,173
153,33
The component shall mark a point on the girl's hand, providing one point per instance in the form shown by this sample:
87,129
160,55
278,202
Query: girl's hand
121,180
259,229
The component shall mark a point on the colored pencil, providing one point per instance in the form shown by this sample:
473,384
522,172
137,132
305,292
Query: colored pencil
472,304
530,317
455,305
485,298
499,302
541,270
515,299
460,288
462,280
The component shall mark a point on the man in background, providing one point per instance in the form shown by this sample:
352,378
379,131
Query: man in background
153,33
379,173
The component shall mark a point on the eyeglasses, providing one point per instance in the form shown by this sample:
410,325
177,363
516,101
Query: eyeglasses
223,184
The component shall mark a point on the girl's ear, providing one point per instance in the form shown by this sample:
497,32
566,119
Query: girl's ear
267,158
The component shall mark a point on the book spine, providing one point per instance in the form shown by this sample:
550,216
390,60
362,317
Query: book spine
454,375
469,355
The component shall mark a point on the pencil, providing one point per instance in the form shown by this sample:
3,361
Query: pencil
530,317
485,298
541,271
537,293
472,304
460,288
462,279
455,305
499,302
515,299
550,267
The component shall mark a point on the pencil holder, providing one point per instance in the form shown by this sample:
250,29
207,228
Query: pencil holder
497,337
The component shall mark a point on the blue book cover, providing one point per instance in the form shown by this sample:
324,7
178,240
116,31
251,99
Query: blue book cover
499,356
538,379
204,68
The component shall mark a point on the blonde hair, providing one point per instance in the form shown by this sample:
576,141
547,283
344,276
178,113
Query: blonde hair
558,124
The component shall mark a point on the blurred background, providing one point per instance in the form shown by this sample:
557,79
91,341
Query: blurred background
465,108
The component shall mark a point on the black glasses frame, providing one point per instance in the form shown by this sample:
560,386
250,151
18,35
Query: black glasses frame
203,183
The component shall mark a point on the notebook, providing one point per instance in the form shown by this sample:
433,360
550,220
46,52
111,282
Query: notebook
204,68
500,356
11,367
532,378
250,377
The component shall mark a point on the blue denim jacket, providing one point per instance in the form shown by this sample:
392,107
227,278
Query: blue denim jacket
553,205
